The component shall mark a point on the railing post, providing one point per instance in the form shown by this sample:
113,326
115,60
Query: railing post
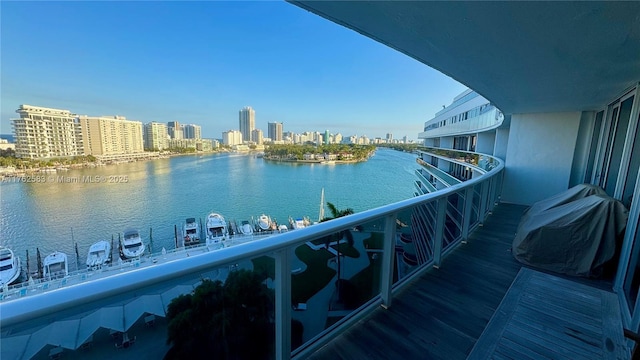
283,304
439,233
466,215
484,191
388,257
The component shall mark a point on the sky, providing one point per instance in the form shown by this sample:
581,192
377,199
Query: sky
201,62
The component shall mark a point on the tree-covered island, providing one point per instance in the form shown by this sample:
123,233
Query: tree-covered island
339,153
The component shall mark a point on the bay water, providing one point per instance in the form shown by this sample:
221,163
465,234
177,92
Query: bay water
157,195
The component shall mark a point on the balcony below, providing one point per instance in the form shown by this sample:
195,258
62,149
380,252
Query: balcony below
445,311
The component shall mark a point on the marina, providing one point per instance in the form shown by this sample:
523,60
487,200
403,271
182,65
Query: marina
40,218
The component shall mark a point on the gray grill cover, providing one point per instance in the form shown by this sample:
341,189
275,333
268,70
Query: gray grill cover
574,238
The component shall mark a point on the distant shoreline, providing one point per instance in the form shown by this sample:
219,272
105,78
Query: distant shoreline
315,161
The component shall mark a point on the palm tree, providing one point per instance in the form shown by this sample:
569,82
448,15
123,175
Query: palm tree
336,213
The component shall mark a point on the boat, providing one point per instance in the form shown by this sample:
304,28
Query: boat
283,228
99,254
246,228
217,229
191,232
299,223
9,267
131,245
265,223
55,265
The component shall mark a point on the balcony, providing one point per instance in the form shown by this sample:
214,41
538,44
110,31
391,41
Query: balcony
427,260
483,122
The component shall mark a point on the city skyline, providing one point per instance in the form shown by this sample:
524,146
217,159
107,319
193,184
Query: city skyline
201,66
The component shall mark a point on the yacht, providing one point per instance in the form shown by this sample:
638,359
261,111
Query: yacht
191,232
131,245
217,229
55,265
99,254
9,266
265,223
299,223
246,228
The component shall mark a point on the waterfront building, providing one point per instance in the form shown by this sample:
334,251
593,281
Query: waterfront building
337,139
155,136
232,137
107,136
275,131
183,143
42,132
573,117
326,137
191,131
6,145
247,122
175,130
257,136
389,137
471,124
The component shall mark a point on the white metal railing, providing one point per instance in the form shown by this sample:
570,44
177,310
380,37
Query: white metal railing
486,121
455,210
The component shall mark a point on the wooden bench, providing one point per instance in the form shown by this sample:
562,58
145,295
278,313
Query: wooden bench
546,317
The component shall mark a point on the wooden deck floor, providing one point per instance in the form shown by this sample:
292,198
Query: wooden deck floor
443,313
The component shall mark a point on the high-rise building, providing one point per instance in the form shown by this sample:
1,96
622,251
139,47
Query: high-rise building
326,137
247,122
46,133
232,137
275,131
155,136
111,135
192,131
175,130
257,136
389,137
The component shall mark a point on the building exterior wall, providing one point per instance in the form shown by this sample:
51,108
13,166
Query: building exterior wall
155,136
175,130
539,155
486,142
46,133
275,131
232,137
247,122
111,135
191,131
502,140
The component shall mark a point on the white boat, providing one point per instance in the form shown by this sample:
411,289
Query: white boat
217,229
246,228
191,232
265,223
283,228
99,254
299,223
131,245
9,267
55,265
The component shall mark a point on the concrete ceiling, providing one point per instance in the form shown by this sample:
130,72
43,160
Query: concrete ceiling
523,56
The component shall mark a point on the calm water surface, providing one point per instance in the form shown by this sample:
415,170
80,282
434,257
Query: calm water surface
162,193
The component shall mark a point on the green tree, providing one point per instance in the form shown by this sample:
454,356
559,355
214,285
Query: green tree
233,320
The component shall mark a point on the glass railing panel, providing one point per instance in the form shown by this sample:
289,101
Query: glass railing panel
475,208
229,313
461,156
441,175
453,221
334,275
